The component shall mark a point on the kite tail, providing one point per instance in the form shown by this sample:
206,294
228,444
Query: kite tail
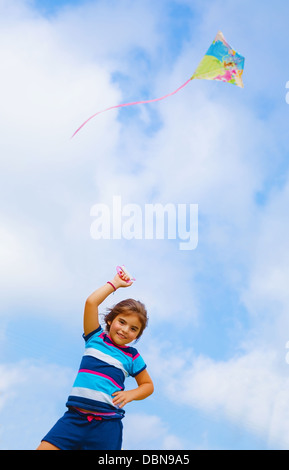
131,104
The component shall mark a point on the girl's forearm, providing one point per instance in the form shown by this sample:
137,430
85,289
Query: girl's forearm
143,391
90,317
126,396
98,296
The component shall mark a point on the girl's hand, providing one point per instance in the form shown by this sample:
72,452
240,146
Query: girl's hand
121,281
122,398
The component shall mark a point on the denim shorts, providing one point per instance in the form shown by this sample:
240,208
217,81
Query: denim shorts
77,431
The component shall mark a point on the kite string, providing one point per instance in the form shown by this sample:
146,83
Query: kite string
131,104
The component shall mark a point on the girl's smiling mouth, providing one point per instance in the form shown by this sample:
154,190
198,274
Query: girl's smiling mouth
121,335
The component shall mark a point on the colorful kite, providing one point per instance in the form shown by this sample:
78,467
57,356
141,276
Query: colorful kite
220,62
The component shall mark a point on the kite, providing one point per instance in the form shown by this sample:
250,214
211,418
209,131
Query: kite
221,62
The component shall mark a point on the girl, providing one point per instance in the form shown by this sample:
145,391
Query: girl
95,406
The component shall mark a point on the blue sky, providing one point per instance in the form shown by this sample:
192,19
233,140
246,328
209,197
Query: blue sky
216,342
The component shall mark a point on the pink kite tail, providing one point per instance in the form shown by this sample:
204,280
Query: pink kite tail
130,104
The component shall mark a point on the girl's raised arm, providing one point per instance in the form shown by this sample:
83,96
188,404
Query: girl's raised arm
90,318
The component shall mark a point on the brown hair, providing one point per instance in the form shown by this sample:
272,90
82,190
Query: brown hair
127,307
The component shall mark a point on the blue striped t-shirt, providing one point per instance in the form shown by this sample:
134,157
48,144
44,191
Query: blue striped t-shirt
102,372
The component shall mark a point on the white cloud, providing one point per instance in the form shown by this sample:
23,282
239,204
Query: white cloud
45,86
25,264
248,390
107,30
30,397
42,202
9,378
143,431
50,183
268,281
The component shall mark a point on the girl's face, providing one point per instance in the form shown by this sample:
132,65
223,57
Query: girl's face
124,328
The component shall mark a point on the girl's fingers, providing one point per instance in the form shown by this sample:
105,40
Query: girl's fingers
124,277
